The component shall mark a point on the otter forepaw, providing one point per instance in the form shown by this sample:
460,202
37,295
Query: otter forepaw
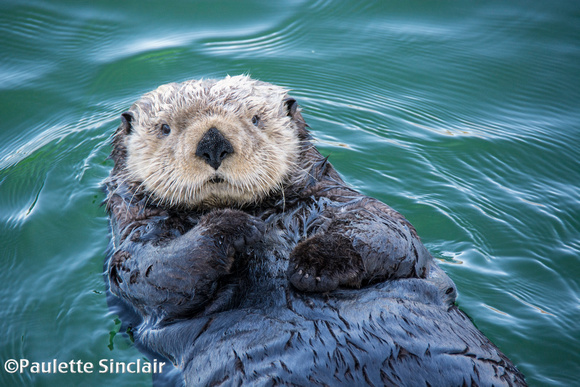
323,263
234,229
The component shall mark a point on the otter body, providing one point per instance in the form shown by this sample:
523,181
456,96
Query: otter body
249,260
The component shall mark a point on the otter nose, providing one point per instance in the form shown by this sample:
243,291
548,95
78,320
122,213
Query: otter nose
213,148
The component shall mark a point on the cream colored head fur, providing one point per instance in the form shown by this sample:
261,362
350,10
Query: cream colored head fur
250,114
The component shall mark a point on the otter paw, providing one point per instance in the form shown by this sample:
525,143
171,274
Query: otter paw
324,262
233,229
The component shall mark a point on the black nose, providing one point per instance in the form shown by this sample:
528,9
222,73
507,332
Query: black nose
213,148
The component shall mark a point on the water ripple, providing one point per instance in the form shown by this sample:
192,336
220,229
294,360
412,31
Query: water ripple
464,117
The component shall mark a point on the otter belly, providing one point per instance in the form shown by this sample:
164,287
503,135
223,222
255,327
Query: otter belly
392,333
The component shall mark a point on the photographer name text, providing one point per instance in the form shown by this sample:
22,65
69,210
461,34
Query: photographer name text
104,366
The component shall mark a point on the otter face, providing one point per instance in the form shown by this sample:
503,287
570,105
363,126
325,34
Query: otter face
211,143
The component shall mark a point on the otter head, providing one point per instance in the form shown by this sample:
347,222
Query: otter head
211,143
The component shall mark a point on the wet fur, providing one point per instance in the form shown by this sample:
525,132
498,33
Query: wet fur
302,281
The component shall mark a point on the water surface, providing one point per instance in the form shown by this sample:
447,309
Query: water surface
463,116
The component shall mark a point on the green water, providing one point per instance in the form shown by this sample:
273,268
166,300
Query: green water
464,116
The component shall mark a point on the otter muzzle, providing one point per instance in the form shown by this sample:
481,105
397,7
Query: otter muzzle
213,148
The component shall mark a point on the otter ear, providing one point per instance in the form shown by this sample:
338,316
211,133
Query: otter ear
291,106
127,122
293,112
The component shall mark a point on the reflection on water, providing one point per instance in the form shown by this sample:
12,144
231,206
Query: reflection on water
464,117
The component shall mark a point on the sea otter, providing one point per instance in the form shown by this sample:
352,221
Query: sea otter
250,261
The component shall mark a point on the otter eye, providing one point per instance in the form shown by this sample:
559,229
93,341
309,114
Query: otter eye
255,120
165,129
